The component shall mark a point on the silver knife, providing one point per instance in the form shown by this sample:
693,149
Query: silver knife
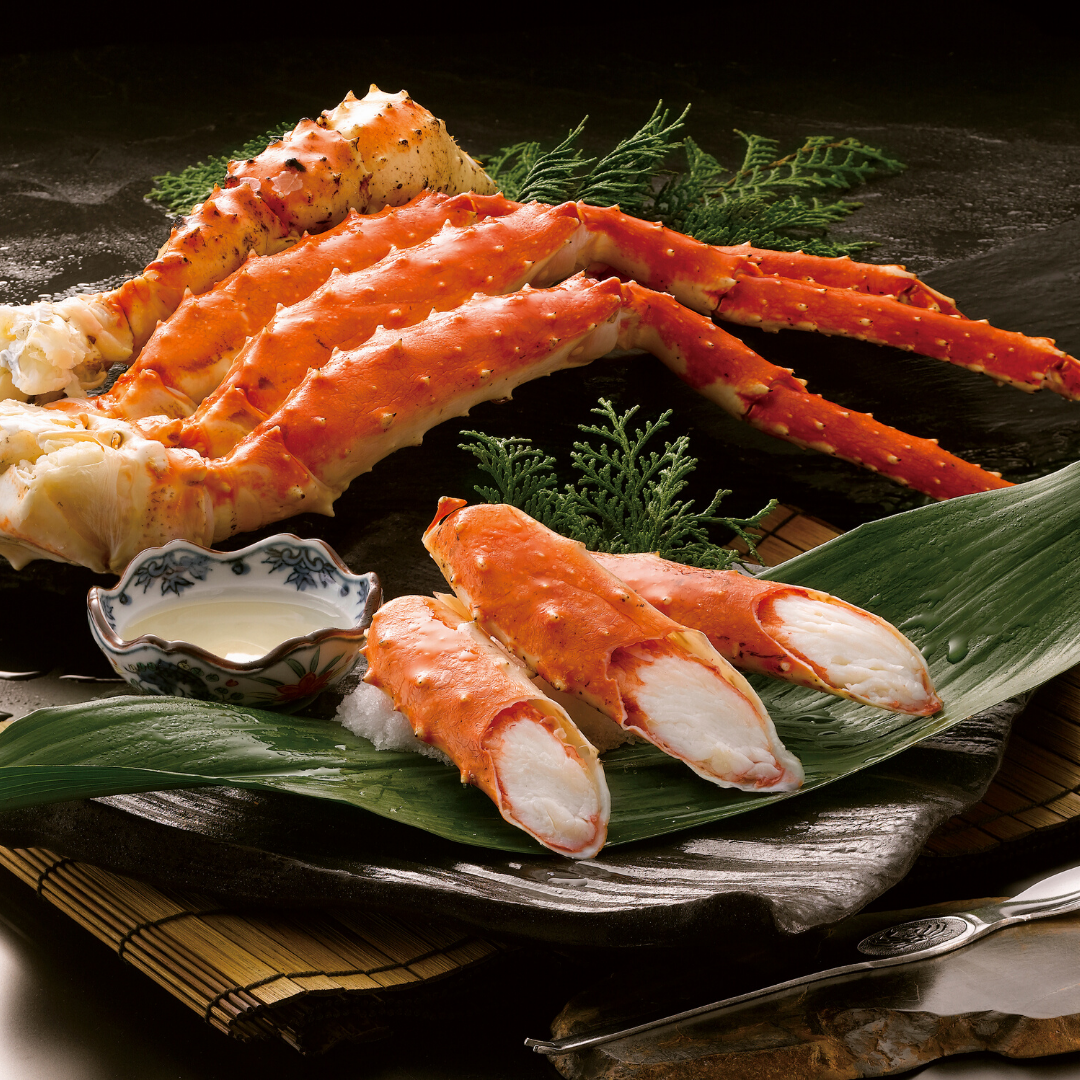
901,944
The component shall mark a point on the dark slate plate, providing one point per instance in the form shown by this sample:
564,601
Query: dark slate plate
804,864
72,211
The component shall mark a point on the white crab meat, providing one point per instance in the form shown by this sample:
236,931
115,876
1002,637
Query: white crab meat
865,656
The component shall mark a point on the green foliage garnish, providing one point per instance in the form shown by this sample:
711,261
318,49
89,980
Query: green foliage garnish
180,192
625,175
527,174
769,201
773,202
626,497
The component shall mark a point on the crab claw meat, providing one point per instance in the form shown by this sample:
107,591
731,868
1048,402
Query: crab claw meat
472,700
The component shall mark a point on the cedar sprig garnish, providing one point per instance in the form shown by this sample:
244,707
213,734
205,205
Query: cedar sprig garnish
528,175
821,161
625,176
181,192
626,498
769,201
790,224
524,476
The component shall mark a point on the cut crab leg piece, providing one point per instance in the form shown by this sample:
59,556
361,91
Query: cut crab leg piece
587,633
381,150
800,635
470,699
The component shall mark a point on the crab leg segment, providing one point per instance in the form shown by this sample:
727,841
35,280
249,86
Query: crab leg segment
845,273
364,404
1029,363
469,698
744,384
497,255
799,635
189,355
588,634
367,153
885,305
699,274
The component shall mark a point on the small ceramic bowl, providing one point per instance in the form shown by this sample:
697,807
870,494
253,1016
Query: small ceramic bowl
277,622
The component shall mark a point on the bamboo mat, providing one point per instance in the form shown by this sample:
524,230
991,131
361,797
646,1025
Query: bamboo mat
1038,785
312,978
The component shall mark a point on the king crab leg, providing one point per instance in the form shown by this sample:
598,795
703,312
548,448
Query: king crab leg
470,699
884,304
362,404
830,296
291,405
588,634
381,150
402,290
845,273
800,635
770,398
189,355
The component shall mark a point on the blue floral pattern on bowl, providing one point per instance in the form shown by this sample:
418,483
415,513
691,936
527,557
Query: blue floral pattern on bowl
280,567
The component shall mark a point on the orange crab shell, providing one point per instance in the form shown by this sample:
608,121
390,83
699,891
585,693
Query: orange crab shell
574,613
309,178
457,689
438,679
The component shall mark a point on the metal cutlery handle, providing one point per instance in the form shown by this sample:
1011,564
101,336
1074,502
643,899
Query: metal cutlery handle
904,943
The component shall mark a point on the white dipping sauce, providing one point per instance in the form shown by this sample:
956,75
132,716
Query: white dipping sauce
238,630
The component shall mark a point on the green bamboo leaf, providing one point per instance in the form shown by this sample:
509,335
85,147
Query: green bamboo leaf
987,585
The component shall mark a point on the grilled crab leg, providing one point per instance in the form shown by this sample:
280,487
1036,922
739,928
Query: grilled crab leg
95,490
799,635
469,698
381,150
587,633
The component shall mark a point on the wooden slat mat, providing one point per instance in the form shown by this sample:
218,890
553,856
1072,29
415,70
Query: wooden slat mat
311,978
788,532
1038,785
